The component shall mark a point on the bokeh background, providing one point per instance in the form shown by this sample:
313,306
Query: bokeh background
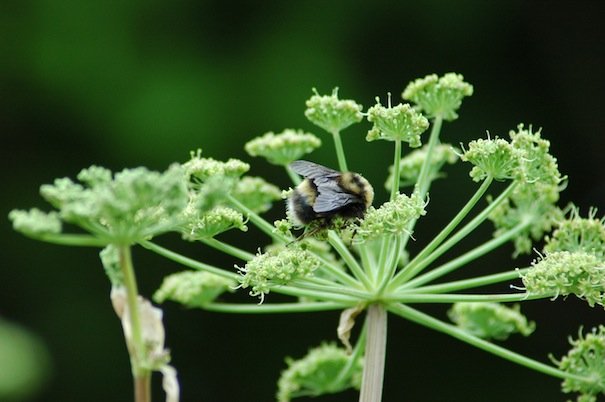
130,83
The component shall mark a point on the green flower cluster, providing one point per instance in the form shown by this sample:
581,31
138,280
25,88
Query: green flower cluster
579,234
211,223
398,123
490,320
193,288
324,370
331,113
438,96
586,359
278,266
284,148
392,218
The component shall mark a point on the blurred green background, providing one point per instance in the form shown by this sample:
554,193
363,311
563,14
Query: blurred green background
129,83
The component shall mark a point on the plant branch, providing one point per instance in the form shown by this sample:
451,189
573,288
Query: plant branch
375,354
271,308
469,283
348,258
340,153
228,249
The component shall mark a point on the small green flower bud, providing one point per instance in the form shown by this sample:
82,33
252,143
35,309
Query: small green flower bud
438,96
283,227
410,165
256,194
211,223
564,273
318,373
495,158
193,288
400,122
490,320
579,234
277,267
284,148
201,169
35,222
332,114
586,358
110,258
392,217
94,176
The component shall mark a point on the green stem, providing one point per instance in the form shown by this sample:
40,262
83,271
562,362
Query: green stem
396,169
293,176
330,289
470,283
424,181
188,262
461,234
367,260
271,308
455,298
258,221
387,273
348,258
66,239
375,354
448,229
337,272
315,294
141,375
433,323
228,249
466,257
340,153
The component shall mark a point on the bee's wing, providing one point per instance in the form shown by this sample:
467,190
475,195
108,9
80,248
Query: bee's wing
312,170
331,198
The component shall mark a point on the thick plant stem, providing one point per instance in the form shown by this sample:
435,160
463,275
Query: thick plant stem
376,343
141,375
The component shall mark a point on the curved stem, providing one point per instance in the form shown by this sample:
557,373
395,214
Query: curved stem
257,220
188,262
396,169
228,249
466,257
469,283
271,308
340,153
448,229
460,234
375,356
433,323
348,258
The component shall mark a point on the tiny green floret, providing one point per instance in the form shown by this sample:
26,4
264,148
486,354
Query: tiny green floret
331,113
256,193
536,164
562,273
283,148
398,123
490,320
578,234
211,223
318,373
438,96
35,222
201,169
193,288
586,358
277,266
411,164
392,217
491,157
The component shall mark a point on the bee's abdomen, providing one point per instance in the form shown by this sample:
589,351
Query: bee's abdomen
300,203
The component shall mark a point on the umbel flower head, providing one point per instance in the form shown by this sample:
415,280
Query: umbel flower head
210,223
277,267
495,158
438,96
392,217
193,288
283,148
578,234
564,273
586,358
319,372
398,123
131,205
490,320
331,113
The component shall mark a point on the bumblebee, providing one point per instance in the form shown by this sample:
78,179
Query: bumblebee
325,193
